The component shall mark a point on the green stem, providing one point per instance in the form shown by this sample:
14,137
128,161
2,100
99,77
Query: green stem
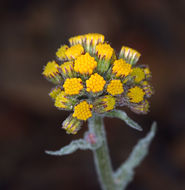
101,154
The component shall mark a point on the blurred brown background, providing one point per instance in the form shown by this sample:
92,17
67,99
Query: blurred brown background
31,31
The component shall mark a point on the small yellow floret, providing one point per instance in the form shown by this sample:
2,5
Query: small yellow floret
76,40
121,68
73,86
115,87
94,38
82,111
54,92
51,69
104,51
95,83
109,102
74,51
60,100
138,73
61,52
85,64
136,94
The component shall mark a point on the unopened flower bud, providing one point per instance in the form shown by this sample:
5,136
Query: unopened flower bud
76,40
67,69
51,72
64,102
142,108
129,55
147,89
55,92
74,51
91,40
104,53
138,74
147,72
71,125
104,104
61,52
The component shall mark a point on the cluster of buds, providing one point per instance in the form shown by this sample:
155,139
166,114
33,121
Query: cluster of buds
91,78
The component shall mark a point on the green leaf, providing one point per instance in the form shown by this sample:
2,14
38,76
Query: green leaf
72,147
123,116
125,173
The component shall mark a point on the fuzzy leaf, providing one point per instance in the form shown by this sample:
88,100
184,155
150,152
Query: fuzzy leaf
72,147
125,173
123,116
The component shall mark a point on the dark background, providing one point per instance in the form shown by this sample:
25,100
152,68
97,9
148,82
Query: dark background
30,33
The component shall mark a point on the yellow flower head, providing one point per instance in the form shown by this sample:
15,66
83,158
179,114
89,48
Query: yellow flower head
76,40
82,111
63,102
61,52
51,69
67,69
85,64
71,125
95,83
74,51
104,104
54,92
91,79
115,87
73,86
138,74
121,68
136,94
129,54
94,38
104,51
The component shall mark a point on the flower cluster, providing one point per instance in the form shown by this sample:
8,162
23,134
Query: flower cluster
91,78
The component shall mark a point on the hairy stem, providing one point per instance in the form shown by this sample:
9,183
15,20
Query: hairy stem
101,154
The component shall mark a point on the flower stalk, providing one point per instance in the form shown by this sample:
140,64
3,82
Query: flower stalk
101,154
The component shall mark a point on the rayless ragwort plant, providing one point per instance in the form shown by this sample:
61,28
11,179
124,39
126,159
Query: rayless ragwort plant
92,80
